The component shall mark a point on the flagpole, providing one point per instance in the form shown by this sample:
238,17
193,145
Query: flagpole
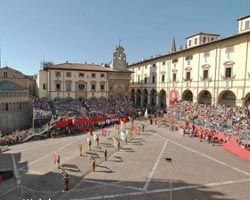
171,182
169,159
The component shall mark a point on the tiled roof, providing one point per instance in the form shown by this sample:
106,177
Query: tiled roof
78,66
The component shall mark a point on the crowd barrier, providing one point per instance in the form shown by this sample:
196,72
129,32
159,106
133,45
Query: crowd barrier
85,124
230,144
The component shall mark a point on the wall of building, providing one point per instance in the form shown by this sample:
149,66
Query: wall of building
216,57
15,118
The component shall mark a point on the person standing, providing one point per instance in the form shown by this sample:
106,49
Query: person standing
201,136
97,140
89,143
58,162
80,149
105,154
118,145
93,165
91,131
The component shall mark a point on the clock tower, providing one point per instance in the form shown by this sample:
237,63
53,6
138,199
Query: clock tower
119,59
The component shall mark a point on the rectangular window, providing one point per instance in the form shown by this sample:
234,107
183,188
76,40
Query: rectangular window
174,77
102,87
68,86
81,86
247,24
145,80
5,74
190,42
188,76
68,74
58,74
228,72
204,39
44,86
81,75
195,41
153,79
164,63
154,65
93,87
102,75
138,79
205,74
92,75
58,86
162,77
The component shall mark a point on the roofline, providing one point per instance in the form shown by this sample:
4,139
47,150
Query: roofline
187,49
243,17
47,68
203,34
57,67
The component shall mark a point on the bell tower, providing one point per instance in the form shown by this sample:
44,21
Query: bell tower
119,59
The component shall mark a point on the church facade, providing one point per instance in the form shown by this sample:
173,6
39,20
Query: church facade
16,92
208,70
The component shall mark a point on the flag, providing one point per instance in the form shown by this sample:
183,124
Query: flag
146,114
169,160
55,156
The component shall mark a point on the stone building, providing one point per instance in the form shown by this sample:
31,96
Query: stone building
76,80
209,69
16,91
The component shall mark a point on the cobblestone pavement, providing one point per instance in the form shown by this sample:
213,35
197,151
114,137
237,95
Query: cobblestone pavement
138,171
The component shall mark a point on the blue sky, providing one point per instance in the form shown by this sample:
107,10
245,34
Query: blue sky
78,31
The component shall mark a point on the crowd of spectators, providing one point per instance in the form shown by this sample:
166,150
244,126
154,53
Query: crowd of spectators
81,108
15,137
233,120
72,109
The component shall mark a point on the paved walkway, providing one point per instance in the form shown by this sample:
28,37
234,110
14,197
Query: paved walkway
39,176
138,171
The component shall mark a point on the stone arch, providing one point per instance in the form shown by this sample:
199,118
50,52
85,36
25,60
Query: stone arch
247,99
145,98
57,99
138,97
132,96
162,98
102,98
205,97
92,98
153,95
227,98
187,95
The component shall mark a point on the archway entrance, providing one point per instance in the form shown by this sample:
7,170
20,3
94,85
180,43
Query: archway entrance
153,94
145,98
138,98
132,96
205,97
227,98
187,96
162,99
247,100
